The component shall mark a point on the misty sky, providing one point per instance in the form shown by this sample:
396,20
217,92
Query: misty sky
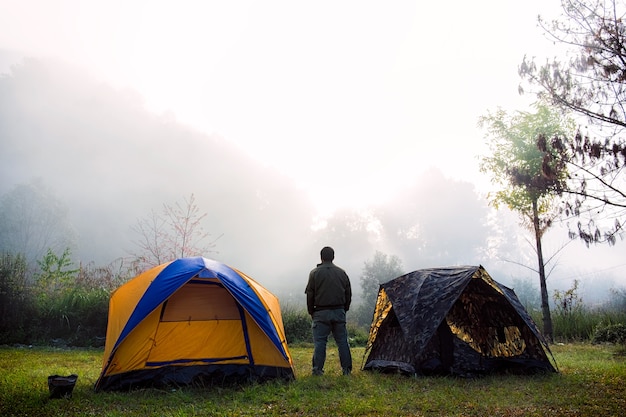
324,104
376,87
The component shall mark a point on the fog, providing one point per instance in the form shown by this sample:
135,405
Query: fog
110,161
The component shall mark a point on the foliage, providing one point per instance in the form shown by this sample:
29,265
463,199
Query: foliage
16,302
515,162
77,318
569,301
610,333
528,294
574,321
77,313
363,314
357,335
591,82
33,221
381,268
297,323
61,304
516,165
55,276
70,309
108,277
591,85
569,314
593,188
174,233
24,390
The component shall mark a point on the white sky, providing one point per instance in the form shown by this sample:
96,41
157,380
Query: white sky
350,98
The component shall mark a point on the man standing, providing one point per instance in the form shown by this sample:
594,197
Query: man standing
328,297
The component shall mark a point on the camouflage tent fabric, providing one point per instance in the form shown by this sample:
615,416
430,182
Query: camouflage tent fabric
454,320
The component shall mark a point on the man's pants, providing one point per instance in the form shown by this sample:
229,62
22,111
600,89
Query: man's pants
326,322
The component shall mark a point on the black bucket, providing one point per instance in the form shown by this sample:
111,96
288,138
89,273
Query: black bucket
61,386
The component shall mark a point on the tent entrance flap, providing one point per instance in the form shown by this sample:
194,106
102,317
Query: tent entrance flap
486,321
200,302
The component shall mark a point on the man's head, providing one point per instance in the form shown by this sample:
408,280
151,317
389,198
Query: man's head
327,254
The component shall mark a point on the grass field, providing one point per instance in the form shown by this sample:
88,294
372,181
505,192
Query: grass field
591,382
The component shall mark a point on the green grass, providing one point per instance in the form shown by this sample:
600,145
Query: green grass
591,382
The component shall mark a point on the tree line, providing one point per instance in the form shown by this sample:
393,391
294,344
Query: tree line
67,305
563,161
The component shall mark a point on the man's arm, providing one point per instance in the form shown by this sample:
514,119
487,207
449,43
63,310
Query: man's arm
310,295
348,294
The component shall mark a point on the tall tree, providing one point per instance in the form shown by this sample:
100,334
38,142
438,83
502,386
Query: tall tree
381,268
175,232
592,84
515,165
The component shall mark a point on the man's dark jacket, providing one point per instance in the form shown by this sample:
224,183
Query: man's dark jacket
328,288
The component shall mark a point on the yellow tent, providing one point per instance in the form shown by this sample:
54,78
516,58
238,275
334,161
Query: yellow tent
193,320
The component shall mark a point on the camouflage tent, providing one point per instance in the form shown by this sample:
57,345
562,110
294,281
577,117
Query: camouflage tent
454,320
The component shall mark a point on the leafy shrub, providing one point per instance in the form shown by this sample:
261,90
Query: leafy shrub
572,320
610,333
297,324
16,299
357,335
